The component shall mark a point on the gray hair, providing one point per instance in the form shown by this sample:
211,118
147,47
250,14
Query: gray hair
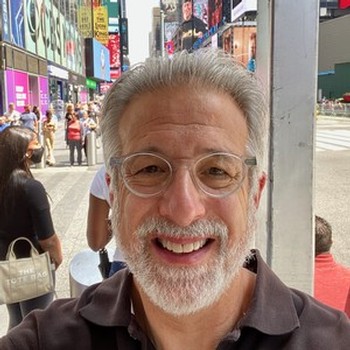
208,68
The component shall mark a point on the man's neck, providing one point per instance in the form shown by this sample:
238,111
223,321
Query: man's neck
202,330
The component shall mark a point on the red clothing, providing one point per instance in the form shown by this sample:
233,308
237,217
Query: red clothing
347,306
332,281
74,130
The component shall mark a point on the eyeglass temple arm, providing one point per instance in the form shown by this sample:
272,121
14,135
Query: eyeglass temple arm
250,161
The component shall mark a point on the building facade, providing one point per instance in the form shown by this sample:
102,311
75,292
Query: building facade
58,51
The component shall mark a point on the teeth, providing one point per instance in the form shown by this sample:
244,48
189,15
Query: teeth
182,248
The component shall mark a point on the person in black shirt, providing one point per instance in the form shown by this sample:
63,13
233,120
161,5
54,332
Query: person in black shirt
24,209
192,28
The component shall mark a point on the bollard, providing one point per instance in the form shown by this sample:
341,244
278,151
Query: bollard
84,271
41,140
91,148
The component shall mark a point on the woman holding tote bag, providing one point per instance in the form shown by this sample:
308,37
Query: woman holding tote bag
24,209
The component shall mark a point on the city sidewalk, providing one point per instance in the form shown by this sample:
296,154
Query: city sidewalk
68,189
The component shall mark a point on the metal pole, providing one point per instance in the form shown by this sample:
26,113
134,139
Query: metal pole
162,33
91,148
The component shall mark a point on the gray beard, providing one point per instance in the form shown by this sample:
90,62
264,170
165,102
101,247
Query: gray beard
186,290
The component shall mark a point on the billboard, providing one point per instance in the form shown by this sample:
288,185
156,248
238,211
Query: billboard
171,9
124,35
114,55
97,60
194,22
215,13
114,50
44,94
101,24
17,22
101,61
113,16
343,4
244,45
5,30
17,86
85,21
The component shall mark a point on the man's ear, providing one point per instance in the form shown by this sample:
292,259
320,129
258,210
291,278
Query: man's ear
261,186
108,180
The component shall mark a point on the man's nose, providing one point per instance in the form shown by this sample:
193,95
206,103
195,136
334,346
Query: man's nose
182,202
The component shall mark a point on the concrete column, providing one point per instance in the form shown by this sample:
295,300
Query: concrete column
287,49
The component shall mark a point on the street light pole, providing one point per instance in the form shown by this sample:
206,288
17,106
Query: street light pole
162,31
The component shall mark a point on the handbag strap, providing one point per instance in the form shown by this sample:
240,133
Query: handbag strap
10,252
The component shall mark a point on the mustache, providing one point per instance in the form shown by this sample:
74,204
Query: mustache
200,228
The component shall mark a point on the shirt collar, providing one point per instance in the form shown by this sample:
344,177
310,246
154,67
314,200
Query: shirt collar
272,310
109,304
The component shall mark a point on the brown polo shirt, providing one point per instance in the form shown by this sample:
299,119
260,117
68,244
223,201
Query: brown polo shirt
278,318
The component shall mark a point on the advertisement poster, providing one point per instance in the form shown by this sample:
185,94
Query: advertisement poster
171,10
101,61
17,88
30,26
245,45
113,16
215,13
48,32
114,50
42,33
63,35
5,21
194,22
85,21
56,35
200,10
101,24
69,46
44,94
17,22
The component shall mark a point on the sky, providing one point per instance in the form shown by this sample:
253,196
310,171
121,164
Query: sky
139,14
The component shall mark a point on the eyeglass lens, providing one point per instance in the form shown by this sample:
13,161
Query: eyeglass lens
215,174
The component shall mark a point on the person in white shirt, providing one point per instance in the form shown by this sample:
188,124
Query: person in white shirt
99,231
12,116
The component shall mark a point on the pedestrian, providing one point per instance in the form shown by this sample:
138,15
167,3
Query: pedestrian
67,118
89,126
24,209
36,111
29,119
184,144
75,138
49,129
99,231
12,116
332,280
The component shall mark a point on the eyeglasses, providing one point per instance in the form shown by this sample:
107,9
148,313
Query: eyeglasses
149,174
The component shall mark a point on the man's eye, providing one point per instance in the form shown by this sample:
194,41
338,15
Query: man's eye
150,169
216,172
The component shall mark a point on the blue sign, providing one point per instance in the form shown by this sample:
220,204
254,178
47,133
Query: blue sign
101,61
5,21
17,22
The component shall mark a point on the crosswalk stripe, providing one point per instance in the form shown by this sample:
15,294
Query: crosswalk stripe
332,140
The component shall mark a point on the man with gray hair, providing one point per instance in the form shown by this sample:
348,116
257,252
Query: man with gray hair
184,142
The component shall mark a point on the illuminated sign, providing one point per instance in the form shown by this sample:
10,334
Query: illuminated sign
57,72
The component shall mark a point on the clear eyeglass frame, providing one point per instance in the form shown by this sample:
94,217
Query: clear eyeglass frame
123,163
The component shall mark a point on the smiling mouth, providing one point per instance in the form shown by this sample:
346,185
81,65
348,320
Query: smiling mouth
179,248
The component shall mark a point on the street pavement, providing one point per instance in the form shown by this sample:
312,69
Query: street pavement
68,188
